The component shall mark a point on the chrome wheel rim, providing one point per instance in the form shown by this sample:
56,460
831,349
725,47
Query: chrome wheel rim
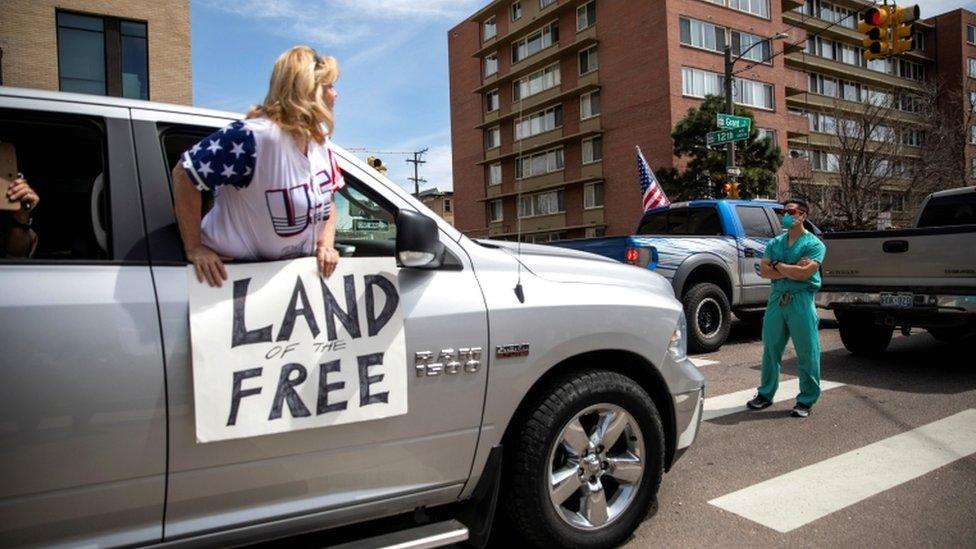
595,467
708,314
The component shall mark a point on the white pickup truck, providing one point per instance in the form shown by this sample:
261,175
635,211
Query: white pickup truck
925,277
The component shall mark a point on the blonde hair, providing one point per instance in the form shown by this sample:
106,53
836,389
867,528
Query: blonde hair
291,101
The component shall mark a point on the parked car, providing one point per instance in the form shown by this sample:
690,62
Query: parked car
710,250
97,441
924,277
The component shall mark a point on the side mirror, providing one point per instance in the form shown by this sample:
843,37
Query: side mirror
418,244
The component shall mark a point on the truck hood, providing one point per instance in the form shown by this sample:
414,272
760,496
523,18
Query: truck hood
573,266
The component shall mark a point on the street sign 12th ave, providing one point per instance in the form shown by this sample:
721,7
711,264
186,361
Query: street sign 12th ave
729,122
726,136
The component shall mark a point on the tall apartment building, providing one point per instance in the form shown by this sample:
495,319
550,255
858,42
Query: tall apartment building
550,97
138,49
955,55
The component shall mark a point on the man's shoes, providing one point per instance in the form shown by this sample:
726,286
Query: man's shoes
759,402
800,410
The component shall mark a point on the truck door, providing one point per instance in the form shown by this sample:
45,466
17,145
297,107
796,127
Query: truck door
315,475
756,232
82,401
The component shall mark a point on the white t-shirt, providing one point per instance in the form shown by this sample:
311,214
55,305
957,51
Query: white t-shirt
270,200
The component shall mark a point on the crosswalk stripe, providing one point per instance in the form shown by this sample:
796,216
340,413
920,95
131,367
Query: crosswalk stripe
732,403
789,501
699,362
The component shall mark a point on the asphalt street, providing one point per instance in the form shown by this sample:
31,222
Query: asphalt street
887,458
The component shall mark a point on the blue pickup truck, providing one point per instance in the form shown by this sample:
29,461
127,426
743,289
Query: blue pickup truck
710,251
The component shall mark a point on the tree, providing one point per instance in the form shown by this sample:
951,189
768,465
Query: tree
704,174
884,152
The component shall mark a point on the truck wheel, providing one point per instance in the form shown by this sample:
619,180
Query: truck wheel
709,317
861,336
586,463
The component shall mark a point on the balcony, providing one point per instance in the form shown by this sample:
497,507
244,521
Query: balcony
836,69
535,103
526,186
812,101
525,26
540,60
837,32
539,146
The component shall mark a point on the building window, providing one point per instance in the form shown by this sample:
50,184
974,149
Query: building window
491,29
593,195
491,64
851,91
919,44
761,51
102,56
535,42
972,135
493,137
539,122
821,161
539,163
910,70
822,9
447,205
516,11
884,66
495,211
495,174
588,60
491,100
702,35
545,203
589,105
755,7
592,150
971,34
822,123
972,100
594,232
535,83
972,166
823,85
585,15
750,93
766,133
546,3
972,67
912,137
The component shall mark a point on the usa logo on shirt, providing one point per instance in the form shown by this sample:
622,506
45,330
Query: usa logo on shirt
290,209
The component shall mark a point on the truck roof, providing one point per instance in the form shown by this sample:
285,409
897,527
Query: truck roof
952,192
715,201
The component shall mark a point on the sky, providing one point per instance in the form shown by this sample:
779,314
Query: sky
393,88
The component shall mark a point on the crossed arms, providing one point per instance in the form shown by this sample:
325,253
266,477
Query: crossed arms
803,270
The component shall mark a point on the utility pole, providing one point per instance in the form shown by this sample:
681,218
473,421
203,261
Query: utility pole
416,161
729,109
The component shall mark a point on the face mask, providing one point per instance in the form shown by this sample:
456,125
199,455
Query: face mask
788,221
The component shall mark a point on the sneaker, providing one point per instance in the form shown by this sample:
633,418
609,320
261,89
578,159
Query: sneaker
800,410
759,402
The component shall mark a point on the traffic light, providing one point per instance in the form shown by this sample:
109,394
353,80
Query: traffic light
903,30
731,190
875,25
377,164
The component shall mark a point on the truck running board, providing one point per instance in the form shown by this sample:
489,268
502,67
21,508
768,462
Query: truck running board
437,534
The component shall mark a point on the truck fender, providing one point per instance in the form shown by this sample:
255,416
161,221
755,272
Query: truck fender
688,266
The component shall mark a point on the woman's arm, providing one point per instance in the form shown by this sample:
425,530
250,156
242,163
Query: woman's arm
325,253
188,203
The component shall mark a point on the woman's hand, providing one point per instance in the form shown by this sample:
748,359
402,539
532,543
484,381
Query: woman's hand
209,265
328,259
20,191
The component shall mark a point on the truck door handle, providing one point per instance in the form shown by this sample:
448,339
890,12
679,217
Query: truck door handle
895,246
749,252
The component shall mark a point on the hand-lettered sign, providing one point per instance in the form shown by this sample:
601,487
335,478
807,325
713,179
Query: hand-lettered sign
280,348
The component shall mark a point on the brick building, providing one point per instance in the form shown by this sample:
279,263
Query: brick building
441,202
124,48
549,98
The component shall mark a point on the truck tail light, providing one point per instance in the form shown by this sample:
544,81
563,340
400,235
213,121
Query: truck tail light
644,256
632,255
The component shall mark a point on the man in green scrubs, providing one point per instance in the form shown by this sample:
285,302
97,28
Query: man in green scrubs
792,262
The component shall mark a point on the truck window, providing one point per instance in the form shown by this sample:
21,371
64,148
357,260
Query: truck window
956,209
366,226
754,221
677,222
704,221
62,158
655,223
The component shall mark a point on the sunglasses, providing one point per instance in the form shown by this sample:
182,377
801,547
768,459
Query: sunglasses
793,211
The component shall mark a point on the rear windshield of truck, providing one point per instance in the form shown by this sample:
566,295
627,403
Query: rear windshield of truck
697,221
955,209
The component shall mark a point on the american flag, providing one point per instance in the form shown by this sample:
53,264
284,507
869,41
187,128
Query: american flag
651,191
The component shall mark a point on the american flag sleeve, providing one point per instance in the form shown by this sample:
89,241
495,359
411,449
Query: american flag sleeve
225,157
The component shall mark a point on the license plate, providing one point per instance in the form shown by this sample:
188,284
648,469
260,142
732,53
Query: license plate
897,300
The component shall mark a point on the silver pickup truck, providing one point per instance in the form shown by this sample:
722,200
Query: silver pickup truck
925,277
583,397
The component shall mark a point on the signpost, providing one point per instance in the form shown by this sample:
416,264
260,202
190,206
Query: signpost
721,137
730,122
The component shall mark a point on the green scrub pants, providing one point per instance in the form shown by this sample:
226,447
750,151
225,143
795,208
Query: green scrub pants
796,319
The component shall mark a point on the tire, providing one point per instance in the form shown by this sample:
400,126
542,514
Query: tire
537,452
751,316
861,336
709,317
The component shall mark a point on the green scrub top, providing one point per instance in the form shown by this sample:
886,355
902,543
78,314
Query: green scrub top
807,245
